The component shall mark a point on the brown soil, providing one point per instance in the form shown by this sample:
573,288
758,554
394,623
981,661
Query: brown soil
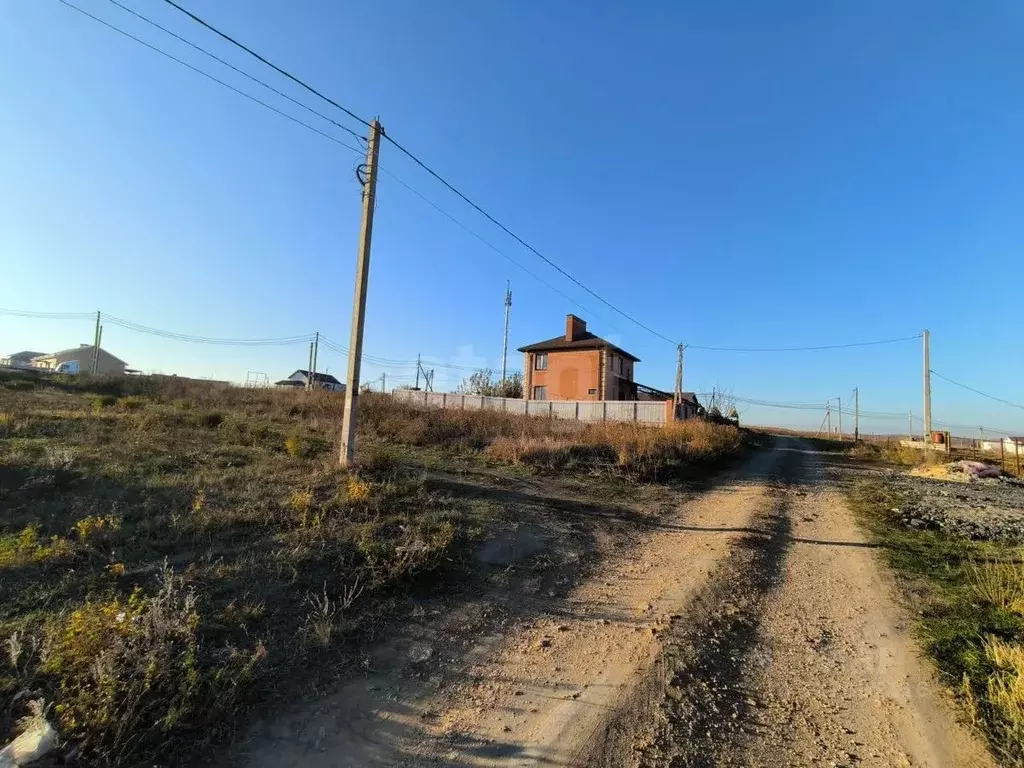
752,625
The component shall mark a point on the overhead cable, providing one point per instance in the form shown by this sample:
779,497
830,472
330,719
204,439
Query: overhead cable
977,391
205,74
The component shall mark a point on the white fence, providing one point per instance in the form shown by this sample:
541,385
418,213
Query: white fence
642,411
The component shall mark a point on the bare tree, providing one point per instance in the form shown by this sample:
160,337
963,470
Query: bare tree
484,382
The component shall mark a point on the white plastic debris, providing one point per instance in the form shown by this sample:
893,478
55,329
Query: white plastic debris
37,739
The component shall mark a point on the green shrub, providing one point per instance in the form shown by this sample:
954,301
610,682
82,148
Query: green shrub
131,673
99,402
131,403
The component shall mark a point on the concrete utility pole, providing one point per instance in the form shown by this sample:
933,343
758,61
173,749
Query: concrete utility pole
840,410
927,386
417,371
309,368
856,414
504,343
95,347
679,375
316,354
383,382
828,417
910,429
355,346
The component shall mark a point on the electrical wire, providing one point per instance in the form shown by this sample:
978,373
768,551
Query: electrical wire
420,163
215,79
50,315
977,391
496,249
271,342
231,66
805,349
426,168
268,63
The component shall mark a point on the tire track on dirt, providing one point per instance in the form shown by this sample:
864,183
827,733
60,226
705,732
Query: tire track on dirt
539,688
691,709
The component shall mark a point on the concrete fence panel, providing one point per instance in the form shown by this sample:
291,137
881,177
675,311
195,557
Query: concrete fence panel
644,412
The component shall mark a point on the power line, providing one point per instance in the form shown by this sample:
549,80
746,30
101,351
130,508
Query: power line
231,66
493,247
805,349
977,391
425,167
419,162
281,341
50,315
205,74
273,66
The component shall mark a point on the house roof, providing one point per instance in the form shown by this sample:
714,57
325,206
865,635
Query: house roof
86,348
22,357
321,378
585,340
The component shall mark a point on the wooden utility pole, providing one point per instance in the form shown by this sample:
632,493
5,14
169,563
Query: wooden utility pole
355,347
856,414
927,386
504,343
95,347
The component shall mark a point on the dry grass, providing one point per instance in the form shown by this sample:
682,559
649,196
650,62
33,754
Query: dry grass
278,562
638,452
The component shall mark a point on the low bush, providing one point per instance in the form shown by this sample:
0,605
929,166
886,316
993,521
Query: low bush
132,672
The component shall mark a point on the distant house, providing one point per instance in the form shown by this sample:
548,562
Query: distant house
19,359
578,366
106,363
689,408
1010,445
320,381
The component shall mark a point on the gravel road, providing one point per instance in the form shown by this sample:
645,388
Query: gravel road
753,625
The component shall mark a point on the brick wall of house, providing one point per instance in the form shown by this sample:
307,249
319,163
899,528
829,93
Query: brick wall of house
570,375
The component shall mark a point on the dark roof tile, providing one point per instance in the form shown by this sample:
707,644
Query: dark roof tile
586,340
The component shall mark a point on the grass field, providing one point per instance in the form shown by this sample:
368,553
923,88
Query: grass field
969,600
173,553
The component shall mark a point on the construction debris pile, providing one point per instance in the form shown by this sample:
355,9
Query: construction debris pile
965,498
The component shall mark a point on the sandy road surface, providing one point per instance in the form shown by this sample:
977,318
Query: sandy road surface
752,626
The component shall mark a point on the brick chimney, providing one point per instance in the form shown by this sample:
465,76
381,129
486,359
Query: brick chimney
574,327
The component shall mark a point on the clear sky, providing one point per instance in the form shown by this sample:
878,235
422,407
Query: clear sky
731,174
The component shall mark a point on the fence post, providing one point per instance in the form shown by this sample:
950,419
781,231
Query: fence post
1016,446
636,411
551,409
604,410
577,417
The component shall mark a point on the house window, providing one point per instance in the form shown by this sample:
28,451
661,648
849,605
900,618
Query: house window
617,364
540,393
540,361
622,395
592,391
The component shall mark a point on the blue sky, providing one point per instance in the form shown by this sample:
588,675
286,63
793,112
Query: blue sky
731,174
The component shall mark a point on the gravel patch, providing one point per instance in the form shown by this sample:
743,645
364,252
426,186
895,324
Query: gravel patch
989,509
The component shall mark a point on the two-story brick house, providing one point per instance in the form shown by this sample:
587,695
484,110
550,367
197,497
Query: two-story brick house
577,366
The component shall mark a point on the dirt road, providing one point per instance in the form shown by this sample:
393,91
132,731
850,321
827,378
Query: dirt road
752,626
